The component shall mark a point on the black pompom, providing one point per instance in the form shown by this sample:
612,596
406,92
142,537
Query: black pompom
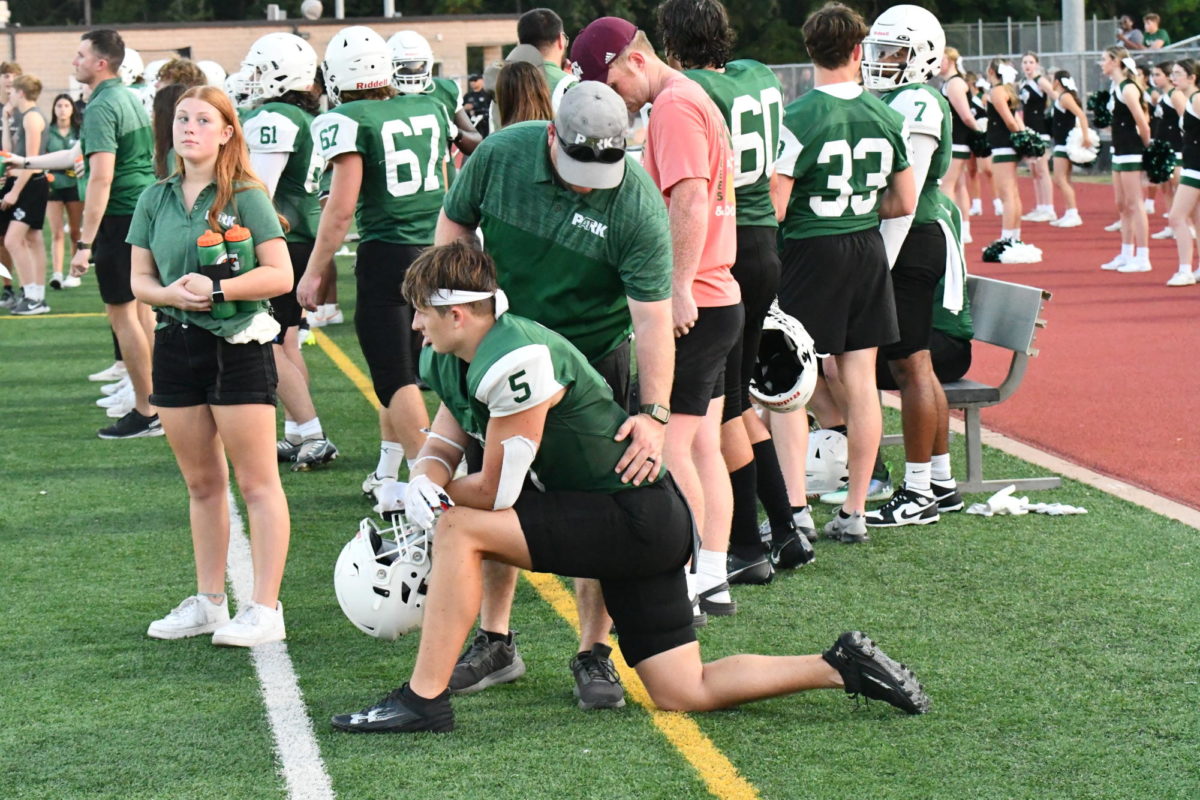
1097,103
1159,161
991,253
978,143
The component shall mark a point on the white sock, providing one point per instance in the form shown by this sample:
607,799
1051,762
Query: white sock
976,206
35,291
1005,233
1016,232
390,456
711,571
310,429
916,476
1149,204
1185,267
997,206
327,309
291,431
1143,254
966,228
1127,251
939,468
1071,212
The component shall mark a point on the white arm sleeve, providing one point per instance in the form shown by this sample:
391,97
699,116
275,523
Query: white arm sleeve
269,167
921,151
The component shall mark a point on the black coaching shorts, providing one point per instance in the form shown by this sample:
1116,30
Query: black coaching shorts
111,255
382,318
919,267
285,307
757,273
635,542
31,203
840,290
701,358
194,367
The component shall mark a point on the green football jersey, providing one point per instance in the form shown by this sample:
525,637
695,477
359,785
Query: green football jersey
115,122
402,142
449,94
928,113
841,145
519,365
284,128
751,101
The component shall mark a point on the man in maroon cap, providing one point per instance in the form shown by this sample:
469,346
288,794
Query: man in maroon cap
688,155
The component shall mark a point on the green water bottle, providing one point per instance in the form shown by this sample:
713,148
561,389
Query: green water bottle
213,264
240,246
4,164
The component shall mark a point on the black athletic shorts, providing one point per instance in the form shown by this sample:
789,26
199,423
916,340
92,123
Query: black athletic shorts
285,307
68,194
919,267
111,255
840,290
382,318
757,273
951,359
701,357
5,216
31,203
194,367
636,542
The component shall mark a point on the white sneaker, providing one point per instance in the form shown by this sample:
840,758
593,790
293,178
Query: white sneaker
109,374
1038,215
122,396
1182,278
71,282
113,388
254,624
195,616
1115,264
1116,226
1136,265
1068,220
1165,233
373,484
122,408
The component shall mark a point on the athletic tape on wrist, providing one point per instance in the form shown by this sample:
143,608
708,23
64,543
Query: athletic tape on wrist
438,459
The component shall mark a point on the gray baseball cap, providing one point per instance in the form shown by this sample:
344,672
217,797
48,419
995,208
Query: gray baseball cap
527,53
590,125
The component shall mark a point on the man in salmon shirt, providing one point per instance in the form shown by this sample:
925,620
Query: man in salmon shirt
688,155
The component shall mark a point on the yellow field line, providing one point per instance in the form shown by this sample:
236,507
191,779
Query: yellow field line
718,773
54,316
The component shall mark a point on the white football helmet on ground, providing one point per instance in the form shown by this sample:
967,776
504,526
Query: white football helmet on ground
380,577
826,468
412,62
785,371
357,58
132,67
905,46
278,63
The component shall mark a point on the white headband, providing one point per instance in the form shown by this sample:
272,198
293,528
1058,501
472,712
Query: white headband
454,297
1129,63
1069,84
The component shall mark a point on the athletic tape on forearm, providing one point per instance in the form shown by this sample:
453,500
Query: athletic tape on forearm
519,453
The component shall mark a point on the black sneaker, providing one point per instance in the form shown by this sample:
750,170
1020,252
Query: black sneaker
597,684
868,671
714,608
314,453
8,298
756,571
907,507
486,663
400,712
792,550
285,451
133,425
947,496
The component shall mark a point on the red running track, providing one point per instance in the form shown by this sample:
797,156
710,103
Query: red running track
1115,387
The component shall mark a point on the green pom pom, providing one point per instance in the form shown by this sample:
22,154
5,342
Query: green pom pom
1159,161
992,252
1097,103
978,143
1028,144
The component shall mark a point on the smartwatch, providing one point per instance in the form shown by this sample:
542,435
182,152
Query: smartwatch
656,412
218,294
82,245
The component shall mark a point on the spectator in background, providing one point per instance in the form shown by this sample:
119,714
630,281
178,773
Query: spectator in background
182,71
543,29
164,126
1154,38
62,134
521,94
8,71
477,102
1128,36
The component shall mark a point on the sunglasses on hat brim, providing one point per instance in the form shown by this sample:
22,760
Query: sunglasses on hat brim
588,153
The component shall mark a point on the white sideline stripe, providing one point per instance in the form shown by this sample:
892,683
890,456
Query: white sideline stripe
299,757
1118,488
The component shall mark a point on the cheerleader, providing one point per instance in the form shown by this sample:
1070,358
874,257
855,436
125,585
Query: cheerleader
962,122
1001,124
1034,93
1184,216
977,165
1130,135
1067,114
1165,126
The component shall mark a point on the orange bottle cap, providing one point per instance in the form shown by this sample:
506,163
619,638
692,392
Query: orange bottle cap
237,234
209,238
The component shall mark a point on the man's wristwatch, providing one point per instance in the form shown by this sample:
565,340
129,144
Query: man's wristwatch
82,245
218,294
656,412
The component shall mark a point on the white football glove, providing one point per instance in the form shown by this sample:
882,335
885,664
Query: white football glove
424,501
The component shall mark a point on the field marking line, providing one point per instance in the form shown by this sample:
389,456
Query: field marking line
55,316
1069,469
300,760
718,773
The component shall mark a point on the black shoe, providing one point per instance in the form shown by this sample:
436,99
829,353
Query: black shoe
486,663
947,496
400,712
597,684
756,571
132,426
714,608
8,298
792,550
285,451
867,671
907,507
314,453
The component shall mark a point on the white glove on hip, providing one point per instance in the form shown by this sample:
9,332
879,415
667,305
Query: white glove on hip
424,501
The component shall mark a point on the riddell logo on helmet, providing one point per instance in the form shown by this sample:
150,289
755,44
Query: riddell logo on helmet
371,84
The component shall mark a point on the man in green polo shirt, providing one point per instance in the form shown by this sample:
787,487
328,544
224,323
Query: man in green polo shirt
581,242
543,29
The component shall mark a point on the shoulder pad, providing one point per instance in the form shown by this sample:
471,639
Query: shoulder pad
518,381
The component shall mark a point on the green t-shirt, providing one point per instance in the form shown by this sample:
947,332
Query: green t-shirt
566,259
521,364
284,128
751,101
162,225
1160,35
114,121
558,81
53,141
926,112
840,144
402,142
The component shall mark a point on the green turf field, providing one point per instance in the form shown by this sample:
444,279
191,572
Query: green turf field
1060,653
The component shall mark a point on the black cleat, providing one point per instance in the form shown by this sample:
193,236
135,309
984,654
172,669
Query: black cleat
486,663
400,712
868,671
791,551
756,571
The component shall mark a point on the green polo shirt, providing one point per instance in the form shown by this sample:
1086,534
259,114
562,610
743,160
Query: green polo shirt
114,121
1159,35
558,81
162,225
565,259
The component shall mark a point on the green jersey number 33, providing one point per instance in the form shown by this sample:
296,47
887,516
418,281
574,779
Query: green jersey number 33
842,161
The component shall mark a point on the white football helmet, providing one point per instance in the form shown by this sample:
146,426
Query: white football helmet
214,73
905,46
412,62
132,67
828,455
278,63
380,577
237,86
785,371
150,74
356,58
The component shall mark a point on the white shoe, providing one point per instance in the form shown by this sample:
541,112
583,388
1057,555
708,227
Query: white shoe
1115,264
1116,226
122,408
113,388
1038,215
254,624
976,211
71,282
1165,233
372,485
1137,265
123,396
1182,278
109,374
195,616
321,317
1068,221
